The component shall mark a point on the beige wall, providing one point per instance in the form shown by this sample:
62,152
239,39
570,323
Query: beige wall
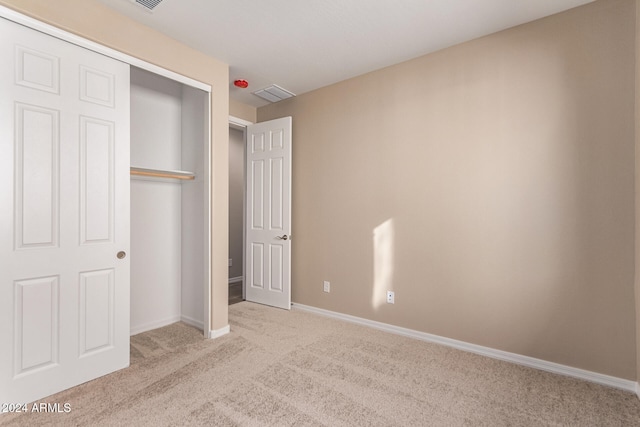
96,22
242,111
236,197
490,185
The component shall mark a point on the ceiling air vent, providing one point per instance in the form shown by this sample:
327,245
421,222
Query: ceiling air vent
148,4
273,93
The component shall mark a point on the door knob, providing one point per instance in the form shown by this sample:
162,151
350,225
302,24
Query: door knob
121,254
283,237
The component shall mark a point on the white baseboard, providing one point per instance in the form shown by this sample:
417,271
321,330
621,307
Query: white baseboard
153,325
531,362
193,322
235,279
638,389
217,333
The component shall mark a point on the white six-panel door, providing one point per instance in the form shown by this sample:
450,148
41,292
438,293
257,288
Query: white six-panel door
268,221
64,214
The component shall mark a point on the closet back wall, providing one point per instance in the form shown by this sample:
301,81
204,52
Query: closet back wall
156,118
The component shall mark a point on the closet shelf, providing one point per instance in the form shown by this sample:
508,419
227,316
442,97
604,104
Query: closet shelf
160,173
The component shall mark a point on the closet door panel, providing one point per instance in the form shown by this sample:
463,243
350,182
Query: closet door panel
96,180
36,324
96,310
64,214
37,186
97,87
37,70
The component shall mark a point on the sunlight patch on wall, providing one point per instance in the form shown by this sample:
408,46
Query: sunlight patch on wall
383,262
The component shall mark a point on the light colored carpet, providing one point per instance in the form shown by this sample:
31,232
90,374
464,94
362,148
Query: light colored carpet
299,369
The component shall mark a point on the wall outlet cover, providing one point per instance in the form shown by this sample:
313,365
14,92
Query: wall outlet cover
327,286
391,297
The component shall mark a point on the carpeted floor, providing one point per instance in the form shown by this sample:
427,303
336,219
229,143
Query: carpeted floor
298,369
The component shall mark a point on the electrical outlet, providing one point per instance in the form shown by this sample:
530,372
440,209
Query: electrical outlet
230,262
391,297
327,286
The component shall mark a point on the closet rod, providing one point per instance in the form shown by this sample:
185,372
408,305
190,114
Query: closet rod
157,173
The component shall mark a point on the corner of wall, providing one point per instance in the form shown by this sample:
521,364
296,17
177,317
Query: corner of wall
217,333
242,111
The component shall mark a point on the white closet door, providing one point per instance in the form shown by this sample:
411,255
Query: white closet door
64,214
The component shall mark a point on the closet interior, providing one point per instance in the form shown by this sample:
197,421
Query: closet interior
169,194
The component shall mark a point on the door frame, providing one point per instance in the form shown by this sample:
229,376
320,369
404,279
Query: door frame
61,34
241,125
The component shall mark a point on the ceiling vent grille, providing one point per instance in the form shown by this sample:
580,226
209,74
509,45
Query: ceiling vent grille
148,4
273,93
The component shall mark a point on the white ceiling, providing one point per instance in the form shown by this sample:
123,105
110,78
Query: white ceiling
304,45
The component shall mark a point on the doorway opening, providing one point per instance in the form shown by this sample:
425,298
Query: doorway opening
237,175
169,199
263,179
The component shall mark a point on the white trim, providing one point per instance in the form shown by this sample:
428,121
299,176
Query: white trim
217,333
518,359
235,279
19,18
238,123
154,325
192,322
638,389
208,289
